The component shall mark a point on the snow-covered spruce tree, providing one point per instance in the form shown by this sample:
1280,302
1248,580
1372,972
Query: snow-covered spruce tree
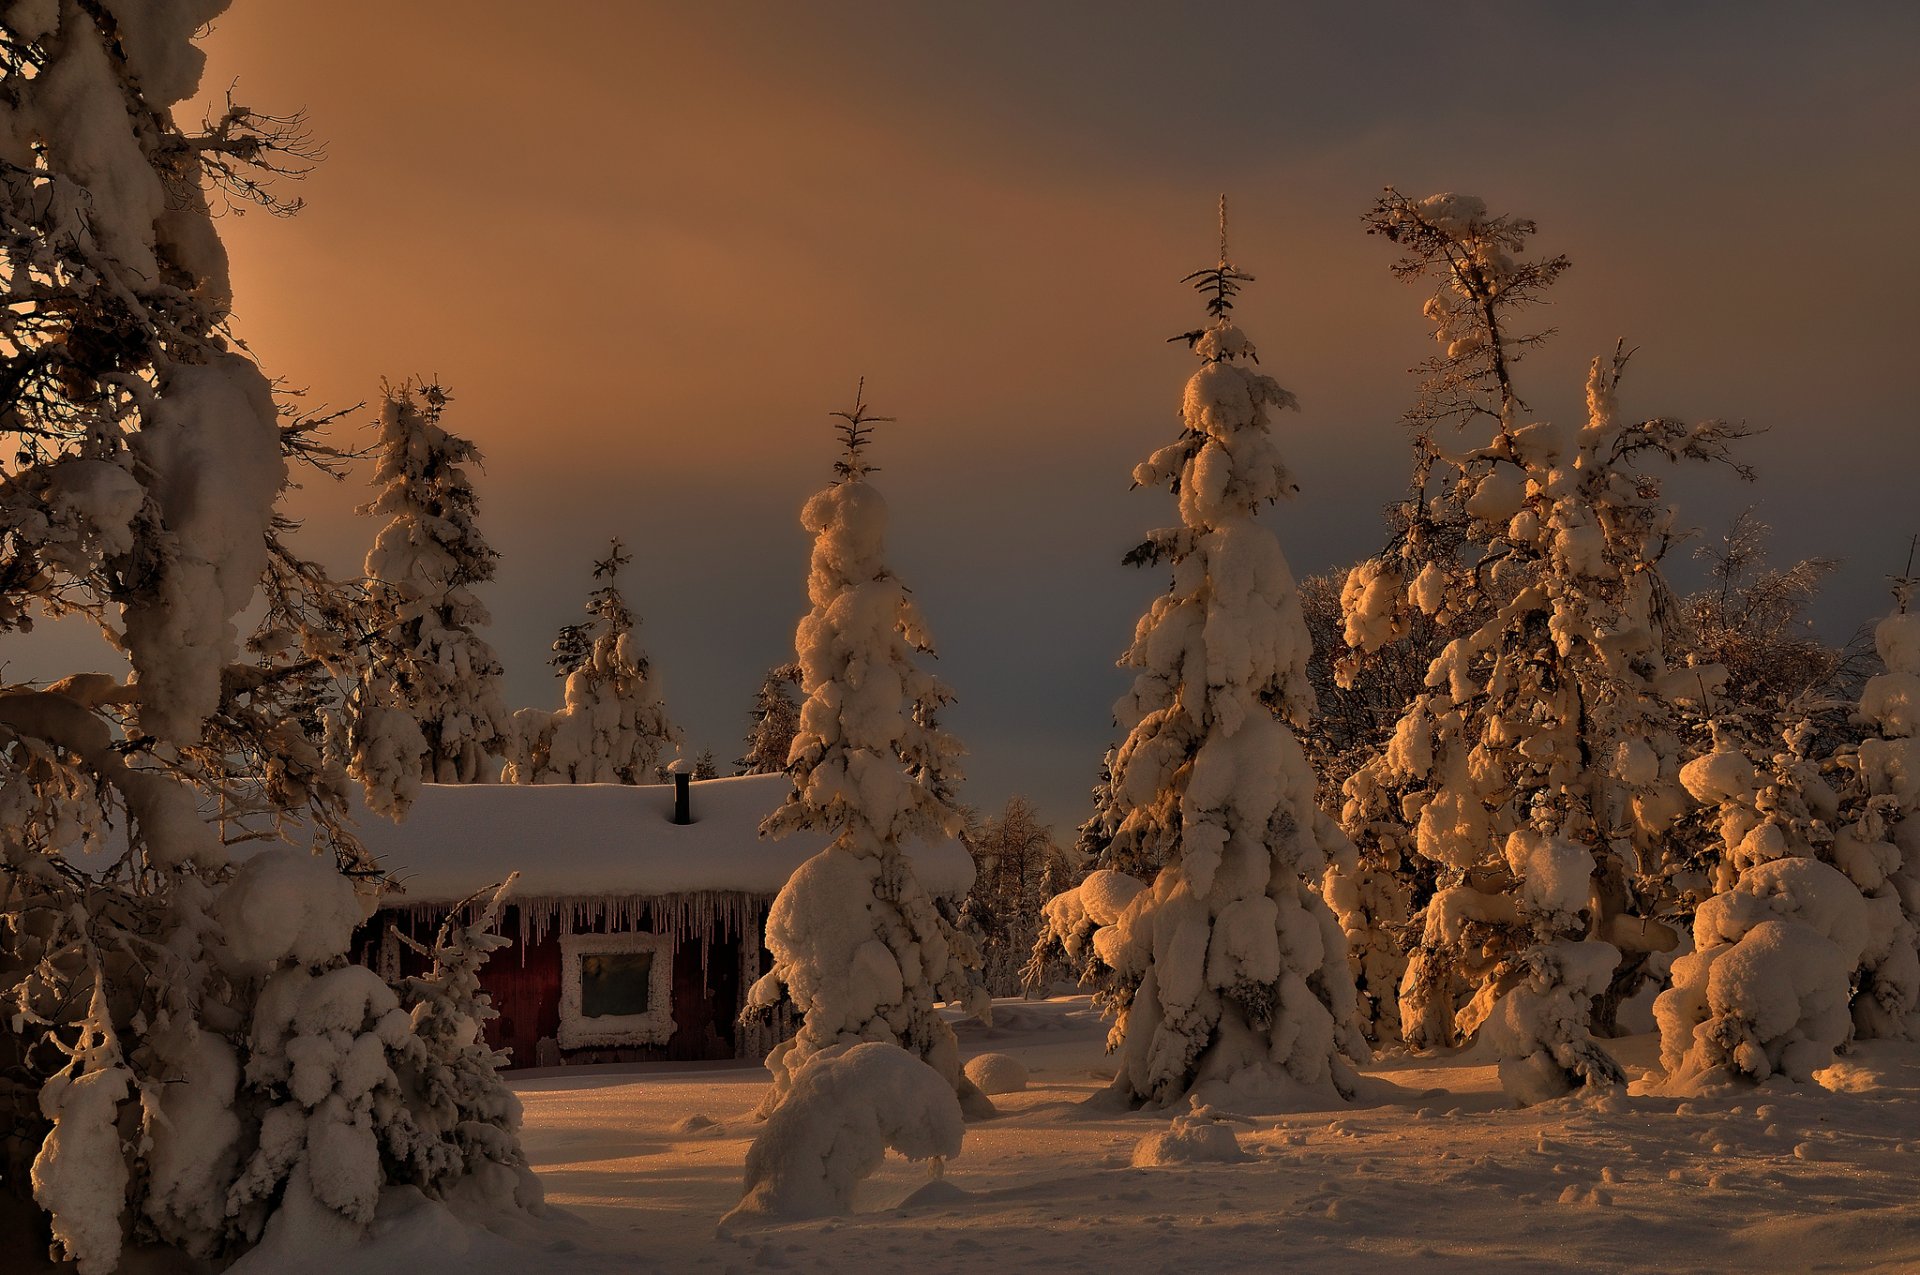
775,719
1229,969
144,982
614,727
859,945
429,708
1538,773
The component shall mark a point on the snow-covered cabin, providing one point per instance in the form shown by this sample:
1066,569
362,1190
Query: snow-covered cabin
633,937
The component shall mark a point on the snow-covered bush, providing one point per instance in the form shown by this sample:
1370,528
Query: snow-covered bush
1809,936
858,943
152,986
1228,968
848,1106
1805,933
613,728
429,705
1537,774
1198,1135
1766,987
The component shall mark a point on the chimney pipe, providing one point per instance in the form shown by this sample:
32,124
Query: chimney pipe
682,797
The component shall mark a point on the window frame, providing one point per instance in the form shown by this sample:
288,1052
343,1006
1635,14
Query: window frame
655,1027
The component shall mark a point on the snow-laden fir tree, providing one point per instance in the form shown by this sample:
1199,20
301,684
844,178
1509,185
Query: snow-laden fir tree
1228,969
429,708
859,945
1538,773
613,728
775,718
149,981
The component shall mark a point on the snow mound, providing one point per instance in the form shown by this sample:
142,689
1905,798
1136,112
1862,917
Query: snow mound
938,1193
699,1126
846,1108
997,1073
410,1232
1200,1135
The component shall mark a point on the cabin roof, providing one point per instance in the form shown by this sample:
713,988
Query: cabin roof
585,841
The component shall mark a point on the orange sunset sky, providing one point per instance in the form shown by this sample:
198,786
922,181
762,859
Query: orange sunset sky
650,246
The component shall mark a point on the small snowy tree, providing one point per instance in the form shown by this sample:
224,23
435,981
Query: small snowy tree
849,1106
614,727
1809,937
775,719
859,945
147,978
429,704
1538,770
1229,968
1777,947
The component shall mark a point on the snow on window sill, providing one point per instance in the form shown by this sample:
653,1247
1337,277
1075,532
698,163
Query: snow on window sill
655,1027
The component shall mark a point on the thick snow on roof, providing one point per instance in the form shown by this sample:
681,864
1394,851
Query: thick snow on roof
596,840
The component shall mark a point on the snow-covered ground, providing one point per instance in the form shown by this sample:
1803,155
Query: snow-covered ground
1431,1170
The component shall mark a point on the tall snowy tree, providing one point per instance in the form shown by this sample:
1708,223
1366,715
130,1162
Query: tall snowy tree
147,978
1538,772
858,943
613,728
775,719
1232,970
430,708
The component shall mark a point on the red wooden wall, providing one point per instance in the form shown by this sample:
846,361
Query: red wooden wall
525,988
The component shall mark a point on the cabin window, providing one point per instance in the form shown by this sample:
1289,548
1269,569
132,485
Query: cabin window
614,984
615,989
